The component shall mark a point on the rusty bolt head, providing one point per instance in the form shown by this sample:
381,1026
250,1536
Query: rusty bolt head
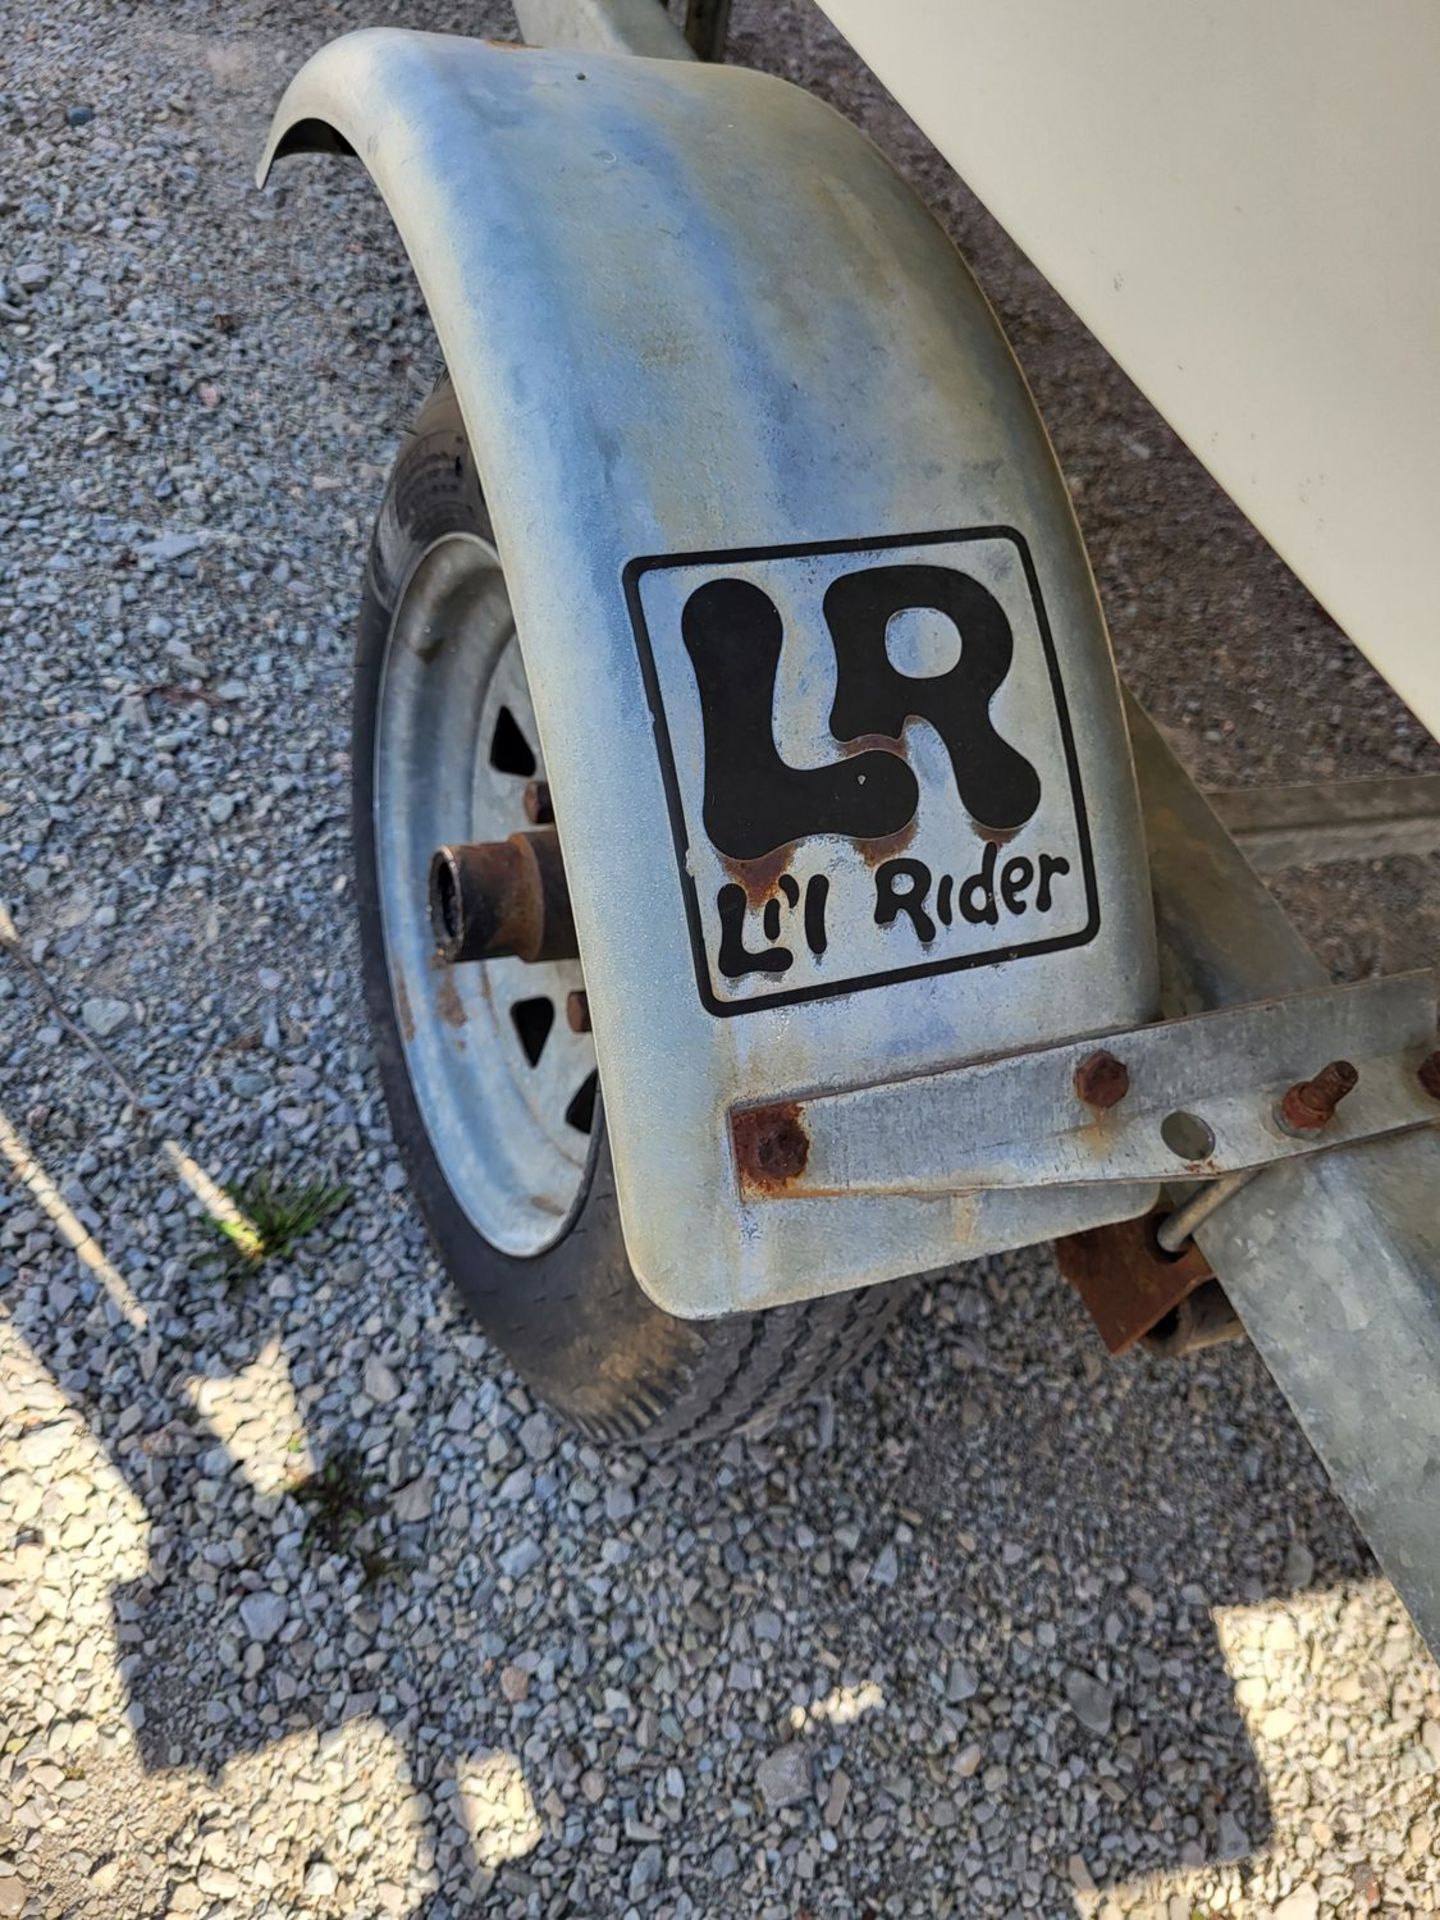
1101,1080
539,807
577,1011
771,1146
1311,1104
1429,1075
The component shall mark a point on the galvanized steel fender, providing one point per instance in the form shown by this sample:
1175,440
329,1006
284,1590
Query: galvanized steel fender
702,334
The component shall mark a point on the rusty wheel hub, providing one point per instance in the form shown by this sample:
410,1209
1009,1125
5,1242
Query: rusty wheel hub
504,1083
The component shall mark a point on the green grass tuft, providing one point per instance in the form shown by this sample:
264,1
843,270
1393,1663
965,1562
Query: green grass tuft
270,1217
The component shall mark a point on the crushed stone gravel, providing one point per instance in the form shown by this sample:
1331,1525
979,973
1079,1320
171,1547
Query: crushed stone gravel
1001,1629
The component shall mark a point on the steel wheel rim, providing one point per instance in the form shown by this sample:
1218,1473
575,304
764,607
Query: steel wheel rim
505,1091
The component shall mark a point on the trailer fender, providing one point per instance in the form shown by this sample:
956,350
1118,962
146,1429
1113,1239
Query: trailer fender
822,683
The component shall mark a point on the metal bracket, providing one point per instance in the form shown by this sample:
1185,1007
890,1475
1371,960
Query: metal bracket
1279,827
1127,1282
1193,1098
706,24
1331,1261
639,27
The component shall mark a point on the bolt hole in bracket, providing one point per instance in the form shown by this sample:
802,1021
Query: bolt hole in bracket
1199,1098
1187,1136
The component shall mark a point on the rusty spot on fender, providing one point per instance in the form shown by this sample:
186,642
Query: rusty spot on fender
876,852
758,877
997,836
403,1014
771,1146
873,743
448,1003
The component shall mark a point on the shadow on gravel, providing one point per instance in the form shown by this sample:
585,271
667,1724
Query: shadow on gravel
1001,1565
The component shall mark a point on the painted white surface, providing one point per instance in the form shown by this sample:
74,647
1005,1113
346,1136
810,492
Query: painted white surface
1242,199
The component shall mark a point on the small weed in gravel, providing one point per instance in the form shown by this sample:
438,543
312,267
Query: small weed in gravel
269,1217
340,1502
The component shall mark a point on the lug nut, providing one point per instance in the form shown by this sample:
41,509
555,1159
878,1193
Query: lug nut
1101,1080
1429,1075
492,898
1311,1104
577,1011
539,807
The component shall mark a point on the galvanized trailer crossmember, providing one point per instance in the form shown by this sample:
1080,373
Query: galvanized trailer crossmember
1310,826
1332,1261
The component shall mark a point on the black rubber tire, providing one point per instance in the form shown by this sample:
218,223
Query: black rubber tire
573,1320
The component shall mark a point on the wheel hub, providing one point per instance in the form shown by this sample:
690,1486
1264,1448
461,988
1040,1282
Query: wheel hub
504,1084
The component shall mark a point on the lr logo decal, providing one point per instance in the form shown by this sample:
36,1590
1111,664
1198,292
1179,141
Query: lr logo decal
869,762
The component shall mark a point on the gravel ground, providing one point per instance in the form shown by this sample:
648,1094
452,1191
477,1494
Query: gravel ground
1004,1628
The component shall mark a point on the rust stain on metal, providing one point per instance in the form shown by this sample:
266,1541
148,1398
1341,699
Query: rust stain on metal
539,807
1101,1080
448,1003
873,743
1311,1104
876,852
402,1009
492,898
771,1146
1428,1075
1126,1279
997,836
889,846
759,876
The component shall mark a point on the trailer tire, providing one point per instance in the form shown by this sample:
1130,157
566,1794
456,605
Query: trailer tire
570,1316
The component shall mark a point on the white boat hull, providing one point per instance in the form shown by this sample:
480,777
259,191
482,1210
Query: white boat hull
1243,202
